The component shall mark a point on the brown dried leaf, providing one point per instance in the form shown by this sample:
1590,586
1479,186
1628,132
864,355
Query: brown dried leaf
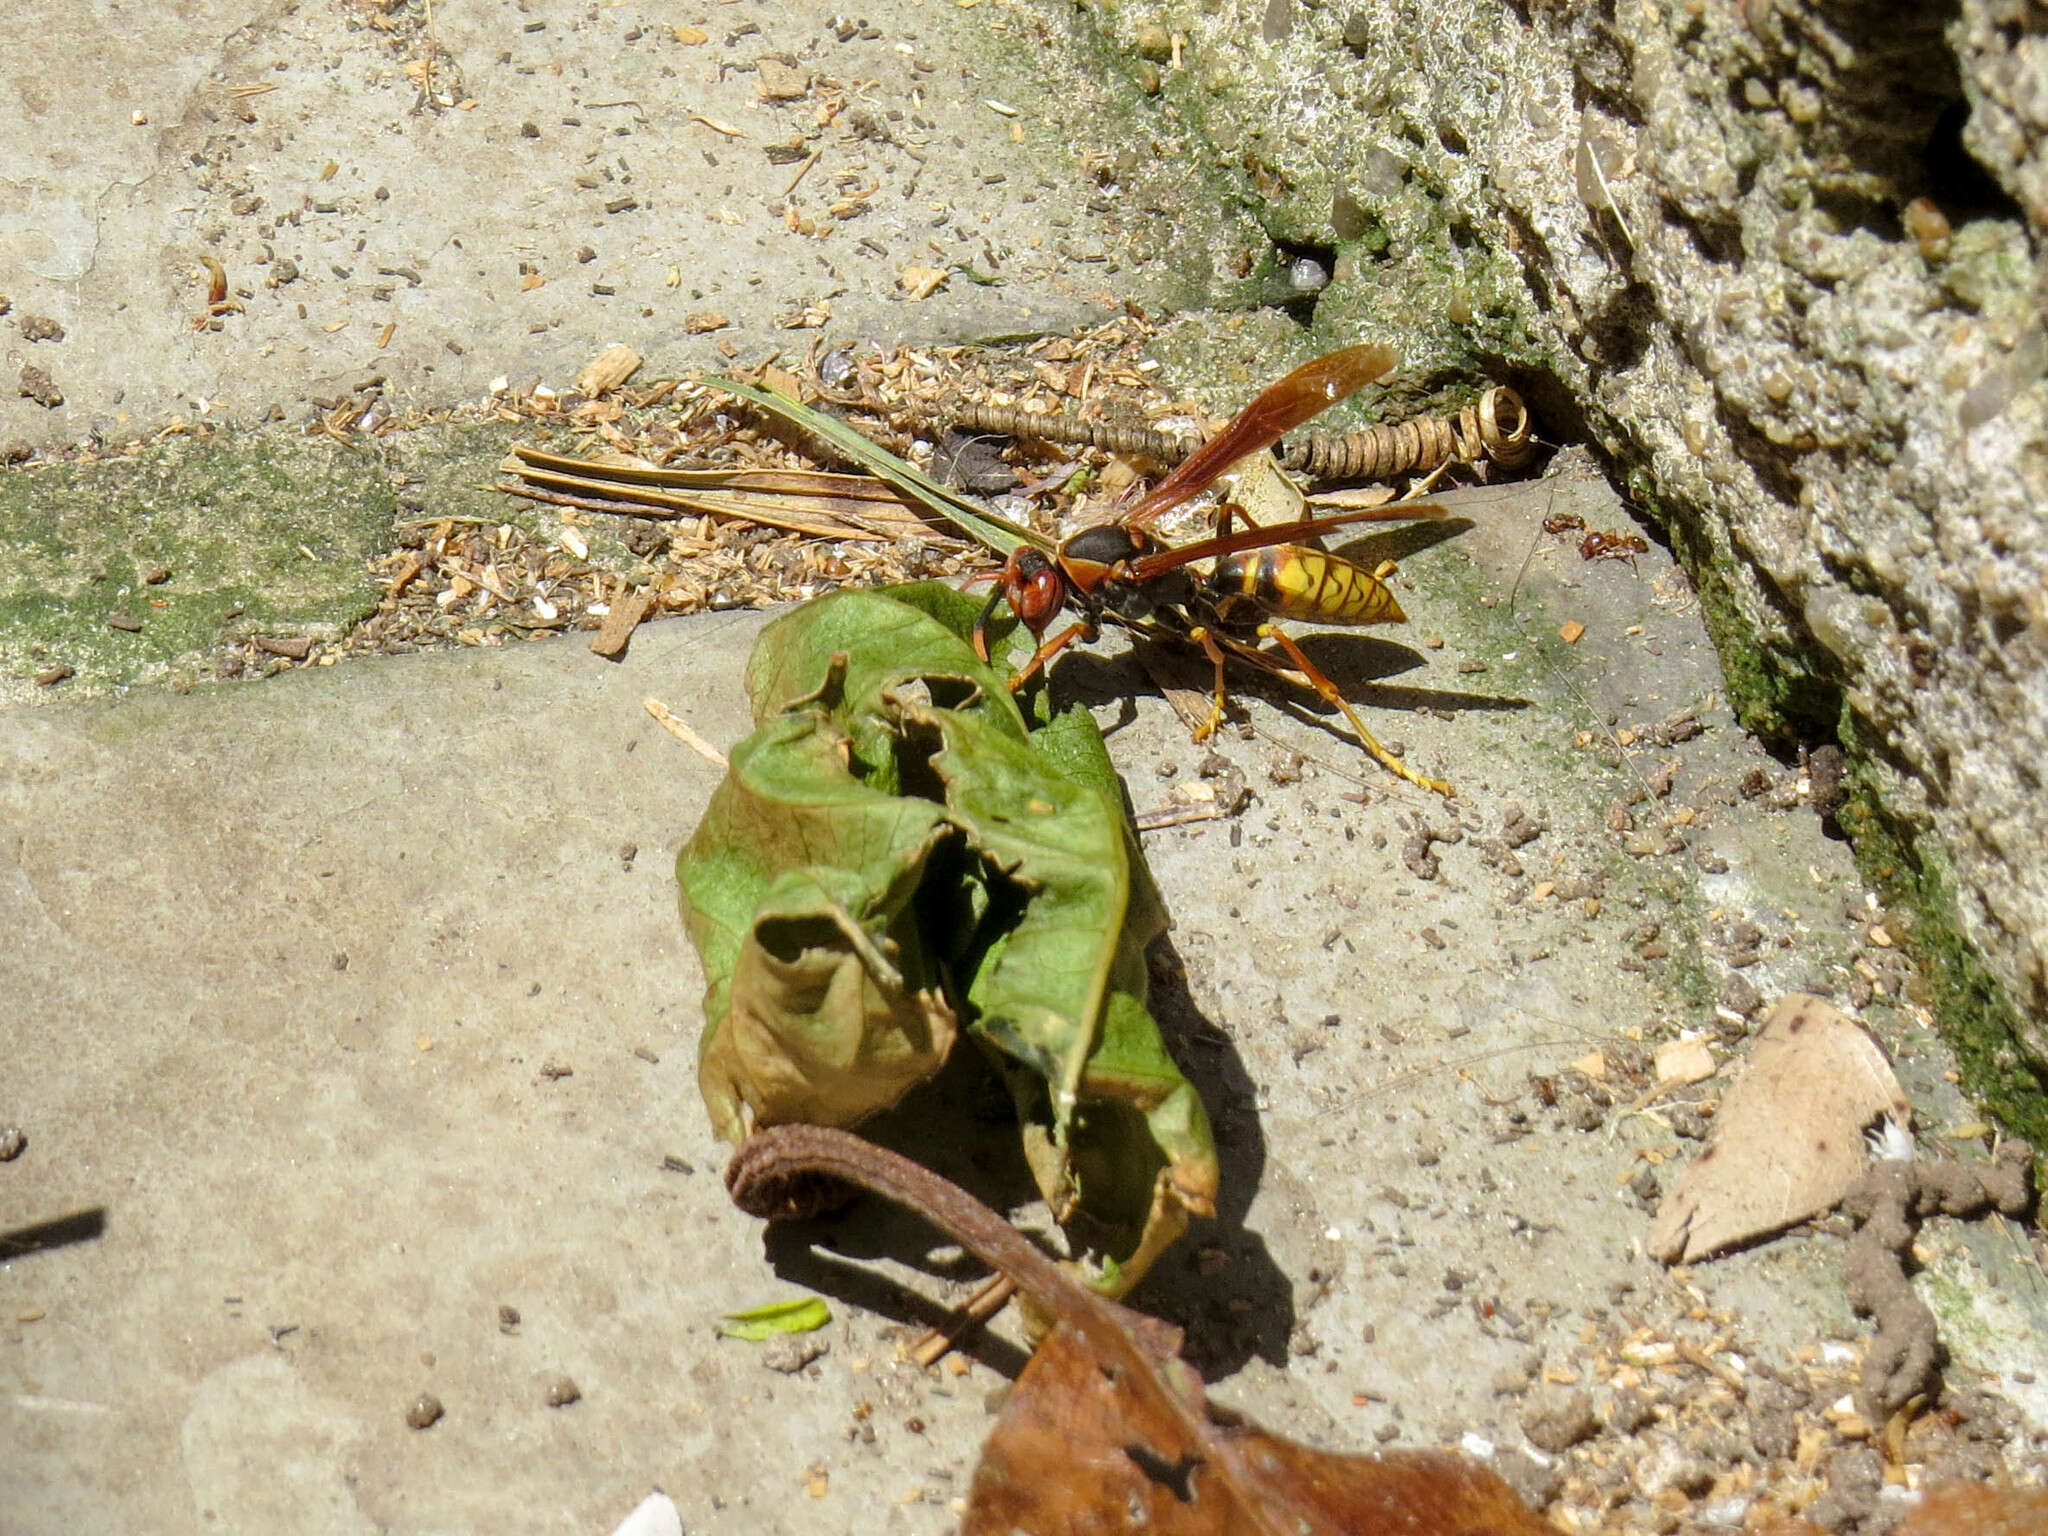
1788,1141
1078,1451
1107,1431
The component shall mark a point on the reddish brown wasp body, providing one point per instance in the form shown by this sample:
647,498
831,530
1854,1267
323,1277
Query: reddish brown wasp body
1120,572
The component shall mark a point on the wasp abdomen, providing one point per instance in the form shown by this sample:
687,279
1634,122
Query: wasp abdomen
1290,582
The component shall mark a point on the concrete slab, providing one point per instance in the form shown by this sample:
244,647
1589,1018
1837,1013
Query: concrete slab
439,196
292,971
356,1005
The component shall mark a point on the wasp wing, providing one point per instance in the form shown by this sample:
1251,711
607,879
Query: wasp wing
1311,389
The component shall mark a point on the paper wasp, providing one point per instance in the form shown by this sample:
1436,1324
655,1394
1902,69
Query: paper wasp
1118,571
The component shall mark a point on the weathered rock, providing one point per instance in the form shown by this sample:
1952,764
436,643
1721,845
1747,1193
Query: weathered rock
1780,262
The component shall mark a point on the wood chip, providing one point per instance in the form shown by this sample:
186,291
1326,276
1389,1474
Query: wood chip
292,648
921,282
608,370
627,610
406,573
705,321
1684,1061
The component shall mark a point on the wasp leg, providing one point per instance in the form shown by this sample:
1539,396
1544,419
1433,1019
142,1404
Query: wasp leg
1330,695
1081,630
1201,636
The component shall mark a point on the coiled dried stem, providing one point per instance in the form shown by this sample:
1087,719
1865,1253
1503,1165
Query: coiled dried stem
1110,435
1495,429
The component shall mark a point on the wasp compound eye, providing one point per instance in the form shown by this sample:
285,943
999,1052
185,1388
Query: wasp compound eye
1038,598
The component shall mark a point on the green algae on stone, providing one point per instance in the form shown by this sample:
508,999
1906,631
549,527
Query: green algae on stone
1974,1013
258,532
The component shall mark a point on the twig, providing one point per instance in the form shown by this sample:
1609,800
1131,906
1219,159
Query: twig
1179,816
977,1309
803,170
679,728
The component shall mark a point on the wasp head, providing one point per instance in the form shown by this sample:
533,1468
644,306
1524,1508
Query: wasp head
1033,587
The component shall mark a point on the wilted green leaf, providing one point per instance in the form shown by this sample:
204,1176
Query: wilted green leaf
803,1314
896,847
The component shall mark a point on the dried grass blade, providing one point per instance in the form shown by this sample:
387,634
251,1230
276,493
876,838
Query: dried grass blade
657,504
997,533
827,506
799,481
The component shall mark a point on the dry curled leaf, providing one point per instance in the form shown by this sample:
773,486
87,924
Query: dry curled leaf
1080,1449
1107,1430
1788,1141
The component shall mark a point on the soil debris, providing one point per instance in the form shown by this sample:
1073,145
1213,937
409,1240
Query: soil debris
424,1411
1888,1206
559,1390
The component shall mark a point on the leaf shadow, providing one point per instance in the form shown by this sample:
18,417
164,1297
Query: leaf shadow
960,1125
1220,1284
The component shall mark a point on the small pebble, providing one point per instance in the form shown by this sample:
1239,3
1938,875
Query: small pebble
558,1391
424,1412
1556,1421
791,1352
12,1141
508,1317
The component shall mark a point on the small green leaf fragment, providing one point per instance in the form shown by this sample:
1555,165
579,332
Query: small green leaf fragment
802,1314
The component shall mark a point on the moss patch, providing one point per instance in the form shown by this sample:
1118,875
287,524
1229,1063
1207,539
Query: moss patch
258,533
1911,875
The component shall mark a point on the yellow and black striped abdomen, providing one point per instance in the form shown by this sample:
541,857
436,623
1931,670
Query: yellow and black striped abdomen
1290,582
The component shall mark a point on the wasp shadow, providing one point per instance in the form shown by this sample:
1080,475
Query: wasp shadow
1357,663
1399,543
1219,1284
59,1232
1099,679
